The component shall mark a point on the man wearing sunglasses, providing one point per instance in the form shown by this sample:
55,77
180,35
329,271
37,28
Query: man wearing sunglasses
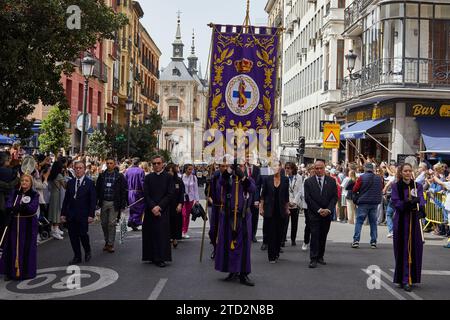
159,191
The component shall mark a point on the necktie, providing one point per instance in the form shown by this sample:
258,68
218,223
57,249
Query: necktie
249,171
320,183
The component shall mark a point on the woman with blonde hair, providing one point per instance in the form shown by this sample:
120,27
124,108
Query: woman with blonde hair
144,166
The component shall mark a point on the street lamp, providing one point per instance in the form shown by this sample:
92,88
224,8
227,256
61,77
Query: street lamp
166,136
301,140
351,61
87,69
129,107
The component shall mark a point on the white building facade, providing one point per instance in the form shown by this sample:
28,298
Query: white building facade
313,72
397,100
183,105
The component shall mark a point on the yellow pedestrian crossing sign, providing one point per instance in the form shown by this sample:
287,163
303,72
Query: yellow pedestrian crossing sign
331,135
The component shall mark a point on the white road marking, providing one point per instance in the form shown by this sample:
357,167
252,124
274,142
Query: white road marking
158,289
387,287
411,294
433,272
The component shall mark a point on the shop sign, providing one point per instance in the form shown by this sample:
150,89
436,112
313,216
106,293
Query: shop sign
431,109
378,112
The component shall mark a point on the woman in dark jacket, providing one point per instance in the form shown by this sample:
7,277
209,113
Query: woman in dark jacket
274,207
176,218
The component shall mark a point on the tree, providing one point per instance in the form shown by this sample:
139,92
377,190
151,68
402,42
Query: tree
143,138
54,134
37,46
97,145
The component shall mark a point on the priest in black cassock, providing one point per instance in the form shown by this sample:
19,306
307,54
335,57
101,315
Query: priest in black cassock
158,193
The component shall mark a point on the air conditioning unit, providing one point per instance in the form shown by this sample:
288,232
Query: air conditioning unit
312,42
115,99
304,50
299,55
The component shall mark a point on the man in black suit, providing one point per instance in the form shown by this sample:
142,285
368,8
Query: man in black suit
321,197
78,211
254,172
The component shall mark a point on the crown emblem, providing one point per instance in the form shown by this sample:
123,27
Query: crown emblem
243,66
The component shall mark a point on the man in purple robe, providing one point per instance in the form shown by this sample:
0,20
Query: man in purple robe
135,179
215,200
235,225
408,201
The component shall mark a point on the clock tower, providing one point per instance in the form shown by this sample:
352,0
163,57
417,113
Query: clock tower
178,44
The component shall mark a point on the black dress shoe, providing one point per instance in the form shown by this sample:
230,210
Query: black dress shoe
246,281
7,278
264,247
75,261
321,261
254,240
283,244
313,264
87,257
407,287
293,243
281,250
230,277
161,264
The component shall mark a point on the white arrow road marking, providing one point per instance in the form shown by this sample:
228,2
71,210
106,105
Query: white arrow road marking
386,286
158,289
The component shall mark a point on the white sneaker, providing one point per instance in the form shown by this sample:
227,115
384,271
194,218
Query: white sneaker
390,235
185,236
305,247
56,236
39,238
58,230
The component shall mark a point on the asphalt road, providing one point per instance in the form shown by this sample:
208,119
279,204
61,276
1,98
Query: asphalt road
123,276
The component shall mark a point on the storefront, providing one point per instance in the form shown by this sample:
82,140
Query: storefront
433,118
398,127
368,131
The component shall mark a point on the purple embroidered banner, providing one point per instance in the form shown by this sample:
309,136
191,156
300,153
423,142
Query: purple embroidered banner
243,79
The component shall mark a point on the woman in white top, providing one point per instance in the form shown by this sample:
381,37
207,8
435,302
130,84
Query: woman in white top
296,194
191,197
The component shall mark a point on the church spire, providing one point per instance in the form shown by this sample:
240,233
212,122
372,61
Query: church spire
178,43
193,43
193,58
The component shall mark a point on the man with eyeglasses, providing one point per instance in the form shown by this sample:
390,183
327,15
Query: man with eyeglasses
159,191
111,198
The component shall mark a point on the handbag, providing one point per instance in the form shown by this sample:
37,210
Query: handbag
197,211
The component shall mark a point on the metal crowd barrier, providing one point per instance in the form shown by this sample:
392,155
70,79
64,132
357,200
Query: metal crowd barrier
434,207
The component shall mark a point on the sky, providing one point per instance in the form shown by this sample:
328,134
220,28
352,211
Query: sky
160,20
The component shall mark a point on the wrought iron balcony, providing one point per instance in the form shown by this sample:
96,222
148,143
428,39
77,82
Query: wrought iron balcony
354,12
116,84
398,72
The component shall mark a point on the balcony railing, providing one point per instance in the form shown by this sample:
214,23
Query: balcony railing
116,84
353,13
398,72
156,98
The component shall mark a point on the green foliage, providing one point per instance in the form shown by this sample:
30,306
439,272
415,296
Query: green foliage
97,145
54,134
143,138
37,46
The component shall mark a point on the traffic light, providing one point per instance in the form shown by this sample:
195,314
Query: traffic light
302,144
